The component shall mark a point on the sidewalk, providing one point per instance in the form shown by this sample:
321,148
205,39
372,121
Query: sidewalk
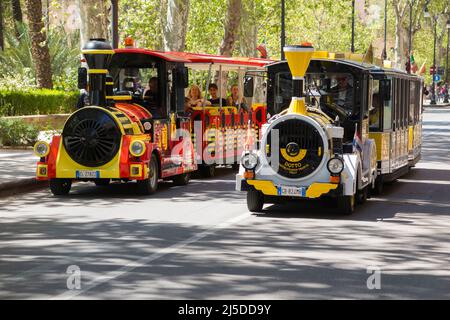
17,171
426,103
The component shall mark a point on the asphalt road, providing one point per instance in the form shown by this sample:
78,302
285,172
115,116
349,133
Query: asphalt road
199,241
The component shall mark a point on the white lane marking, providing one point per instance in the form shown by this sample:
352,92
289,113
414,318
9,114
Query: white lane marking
69,294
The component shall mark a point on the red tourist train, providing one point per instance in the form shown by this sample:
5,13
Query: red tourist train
127,130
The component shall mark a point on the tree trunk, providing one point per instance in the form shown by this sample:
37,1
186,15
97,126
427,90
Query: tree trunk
17,15
248,35
175,26
39,47
232,22
17,10
2,40
94,20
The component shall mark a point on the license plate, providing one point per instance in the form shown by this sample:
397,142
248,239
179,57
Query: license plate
88,174
291,191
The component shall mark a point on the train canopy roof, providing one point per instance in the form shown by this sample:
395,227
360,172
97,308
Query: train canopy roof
363,66
196,61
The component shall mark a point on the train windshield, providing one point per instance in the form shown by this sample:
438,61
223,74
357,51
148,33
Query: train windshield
331,92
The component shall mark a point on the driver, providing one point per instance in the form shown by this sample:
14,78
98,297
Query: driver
343,93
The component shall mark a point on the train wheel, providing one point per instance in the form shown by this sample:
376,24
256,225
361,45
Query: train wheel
60,187
181,179
378,188
149,185
346,204
208,171
361,195
102,182
255,201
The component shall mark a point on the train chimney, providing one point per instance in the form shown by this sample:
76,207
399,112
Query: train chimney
98,53
298,58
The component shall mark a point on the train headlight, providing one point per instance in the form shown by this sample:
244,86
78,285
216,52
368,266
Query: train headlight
335,165
41,149
137,148
249,161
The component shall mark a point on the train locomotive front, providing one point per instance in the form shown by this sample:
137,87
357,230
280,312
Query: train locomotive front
105,140
300,154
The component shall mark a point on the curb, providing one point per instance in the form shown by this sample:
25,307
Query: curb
21,186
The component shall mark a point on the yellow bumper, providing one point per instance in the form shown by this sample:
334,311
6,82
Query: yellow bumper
315,190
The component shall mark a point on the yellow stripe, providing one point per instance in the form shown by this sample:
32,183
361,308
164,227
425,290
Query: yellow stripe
109,83
98,71
121,98
97,51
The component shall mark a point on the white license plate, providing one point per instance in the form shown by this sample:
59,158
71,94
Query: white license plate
291,191
88,174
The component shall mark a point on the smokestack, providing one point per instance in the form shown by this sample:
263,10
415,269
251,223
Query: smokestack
98,53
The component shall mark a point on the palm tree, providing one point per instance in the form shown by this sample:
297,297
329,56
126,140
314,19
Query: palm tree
39,46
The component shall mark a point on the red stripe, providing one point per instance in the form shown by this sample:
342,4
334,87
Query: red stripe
53,155
124,165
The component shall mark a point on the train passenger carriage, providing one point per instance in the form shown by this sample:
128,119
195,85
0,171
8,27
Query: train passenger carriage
360,127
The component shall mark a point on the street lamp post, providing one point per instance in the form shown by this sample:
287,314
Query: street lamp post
433,89
446,64
115,23
384,54
353,26
283,27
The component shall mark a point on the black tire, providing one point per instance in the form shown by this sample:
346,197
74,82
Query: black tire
102,182
181,179
378,188
60,187
150,185
255,201
346,204
208,171
361,195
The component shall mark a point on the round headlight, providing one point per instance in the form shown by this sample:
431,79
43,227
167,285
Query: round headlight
137,148
335,165
249,161
41,149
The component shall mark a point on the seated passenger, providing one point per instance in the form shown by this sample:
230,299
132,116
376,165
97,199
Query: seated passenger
234,99
195,97
215,100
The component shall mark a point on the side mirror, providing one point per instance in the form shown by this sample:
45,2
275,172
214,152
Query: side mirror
82,78
248,86
386,89
183,77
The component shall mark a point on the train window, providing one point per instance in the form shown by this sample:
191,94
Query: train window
333,91
397,103
386,88
412,102
375,107
283,91
405,103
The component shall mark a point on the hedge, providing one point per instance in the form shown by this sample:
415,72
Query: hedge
36,101
17,133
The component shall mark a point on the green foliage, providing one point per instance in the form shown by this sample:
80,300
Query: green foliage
142,20
17,133
36,101
16,61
